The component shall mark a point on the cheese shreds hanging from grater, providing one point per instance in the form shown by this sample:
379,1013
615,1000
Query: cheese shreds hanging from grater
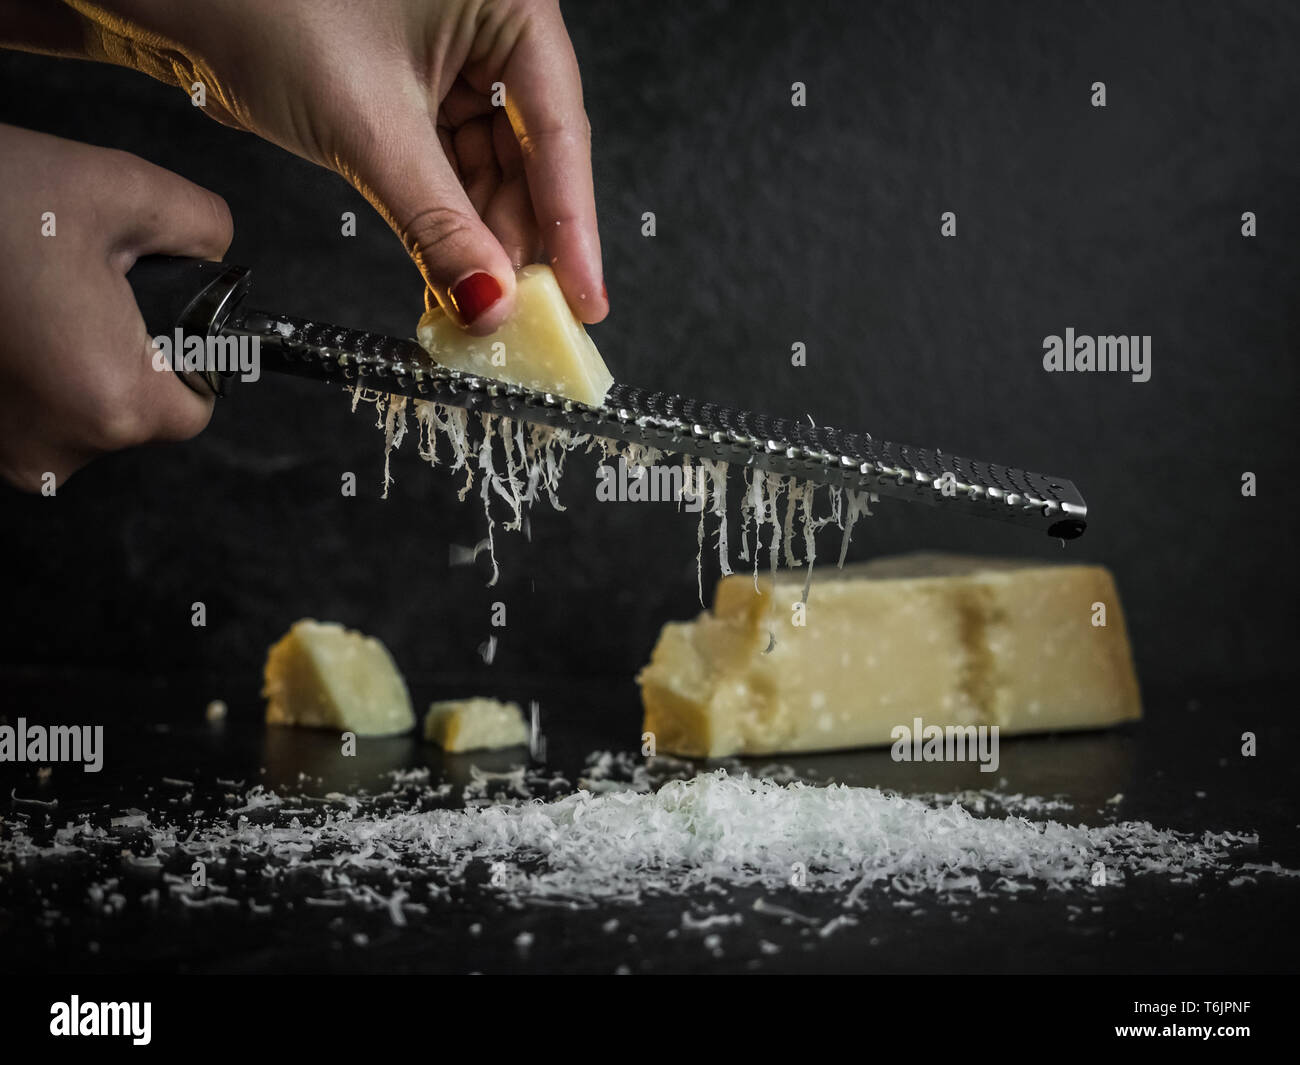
537,460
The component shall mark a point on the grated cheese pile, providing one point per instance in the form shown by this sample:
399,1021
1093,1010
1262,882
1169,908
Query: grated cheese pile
708,833
532,459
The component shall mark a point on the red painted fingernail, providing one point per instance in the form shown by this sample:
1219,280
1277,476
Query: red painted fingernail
474,295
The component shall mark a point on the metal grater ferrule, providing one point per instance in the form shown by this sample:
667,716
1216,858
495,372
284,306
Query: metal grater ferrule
676,424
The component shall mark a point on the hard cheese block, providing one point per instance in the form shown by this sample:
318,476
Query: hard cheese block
475,724
951,640
325,676
541,345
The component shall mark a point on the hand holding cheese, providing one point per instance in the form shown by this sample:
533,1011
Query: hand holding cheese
540,346
461,121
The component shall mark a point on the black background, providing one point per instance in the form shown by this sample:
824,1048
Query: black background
775,224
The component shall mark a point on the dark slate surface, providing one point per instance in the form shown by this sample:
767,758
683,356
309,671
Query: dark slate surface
1146,925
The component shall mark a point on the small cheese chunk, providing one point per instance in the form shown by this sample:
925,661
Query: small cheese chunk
949,639
322,675
475,724
541,345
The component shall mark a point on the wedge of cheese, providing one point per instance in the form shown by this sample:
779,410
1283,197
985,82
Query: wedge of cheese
322,675
541,345
475,724
951,640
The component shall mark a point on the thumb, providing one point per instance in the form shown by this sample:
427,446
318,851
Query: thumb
408,178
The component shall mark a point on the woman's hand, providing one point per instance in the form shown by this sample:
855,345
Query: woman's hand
398,97
76,374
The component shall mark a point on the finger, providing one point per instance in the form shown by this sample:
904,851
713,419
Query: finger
544,102
464,103
449,151
509,215
175,411
477,163
150,402
404,173
510,212
163,213
124,397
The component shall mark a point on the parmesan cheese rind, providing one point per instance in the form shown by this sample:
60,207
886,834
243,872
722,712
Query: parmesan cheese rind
541,345
321,675
475,724
949,639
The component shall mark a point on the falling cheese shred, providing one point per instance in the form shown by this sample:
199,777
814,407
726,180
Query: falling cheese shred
516,464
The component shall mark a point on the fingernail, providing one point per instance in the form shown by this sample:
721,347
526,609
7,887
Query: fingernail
604,292
473,295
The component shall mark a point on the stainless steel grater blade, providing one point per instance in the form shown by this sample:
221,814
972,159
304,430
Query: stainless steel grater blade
206,298
676,424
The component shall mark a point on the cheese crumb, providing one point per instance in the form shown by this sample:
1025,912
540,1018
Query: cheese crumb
475,724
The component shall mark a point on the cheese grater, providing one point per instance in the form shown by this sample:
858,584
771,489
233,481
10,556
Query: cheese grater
207,299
